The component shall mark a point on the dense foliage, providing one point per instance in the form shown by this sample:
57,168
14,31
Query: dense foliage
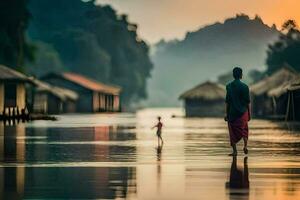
286,50
14,49
92,40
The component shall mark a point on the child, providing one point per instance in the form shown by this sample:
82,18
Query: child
159,126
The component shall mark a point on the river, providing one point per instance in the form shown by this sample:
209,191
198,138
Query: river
116,156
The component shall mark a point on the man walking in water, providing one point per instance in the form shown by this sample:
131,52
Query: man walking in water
237,112
159,126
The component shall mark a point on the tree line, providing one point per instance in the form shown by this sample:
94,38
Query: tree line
38,37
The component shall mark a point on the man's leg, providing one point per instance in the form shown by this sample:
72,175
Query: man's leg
234,151
161,139
245,145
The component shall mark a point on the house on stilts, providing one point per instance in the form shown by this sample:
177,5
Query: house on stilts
269,97
291,91
12,93
93,96
49,99
204,100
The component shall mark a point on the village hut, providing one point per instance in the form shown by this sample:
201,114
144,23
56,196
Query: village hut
204,100
12,92
49,99
293,101
269,96
93,96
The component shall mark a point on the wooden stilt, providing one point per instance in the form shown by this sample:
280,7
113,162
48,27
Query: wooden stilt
292,106
288,107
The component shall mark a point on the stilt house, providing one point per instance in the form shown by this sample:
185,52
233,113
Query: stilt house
293,101
12,92
93,96
50,99
269,96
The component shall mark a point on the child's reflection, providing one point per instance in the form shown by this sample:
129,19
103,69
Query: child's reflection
158,169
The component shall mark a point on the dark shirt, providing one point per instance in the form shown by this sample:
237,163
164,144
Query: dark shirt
238,99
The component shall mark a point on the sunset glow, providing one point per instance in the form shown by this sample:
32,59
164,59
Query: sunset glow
170,19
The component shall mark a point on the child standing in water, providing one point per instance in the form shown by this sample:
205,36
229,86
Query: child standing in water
159,126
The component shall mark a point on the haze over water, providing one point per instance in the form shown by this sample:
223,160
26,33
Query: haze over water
116,157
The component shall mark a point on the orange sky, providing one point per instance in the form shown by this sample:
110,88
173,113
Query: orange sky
171,19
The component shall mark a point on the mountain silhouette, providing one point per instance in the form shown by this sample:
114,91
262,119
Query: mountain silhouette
205,54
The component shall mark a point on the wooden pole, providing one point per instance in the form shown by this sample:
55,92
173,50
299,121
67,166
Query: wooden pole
293,105
288,107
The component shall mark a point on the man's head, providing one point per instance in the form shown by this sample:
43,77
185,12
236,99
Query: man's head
158,118
237,73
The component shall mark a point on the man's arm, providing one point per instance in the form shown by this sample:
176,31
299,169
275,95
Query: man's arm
249,112
226,111
226,104
154,126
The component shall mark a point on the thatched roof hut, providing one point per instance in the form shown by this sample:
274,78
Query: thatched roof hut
292,92
279,79
269,96
204,100
205,91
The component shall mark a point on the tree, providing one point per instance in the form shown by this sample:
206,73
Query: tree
93,40
255,75
286,50
14,49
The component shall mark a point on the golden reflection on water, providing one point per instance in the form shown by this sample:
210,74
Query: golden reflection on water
117,157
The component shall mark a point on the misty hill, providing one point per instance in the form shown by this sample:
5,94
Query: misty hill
206,53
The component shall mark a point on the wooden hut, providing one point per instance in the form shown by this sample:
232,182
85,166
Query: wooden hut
12,92
93,96
50,99
293,101
269,98
204,100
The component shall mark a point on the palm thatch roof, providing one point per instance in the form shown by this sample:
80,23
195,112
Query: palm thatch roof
205,91
280,90
7,74
295,85
61,93
275,83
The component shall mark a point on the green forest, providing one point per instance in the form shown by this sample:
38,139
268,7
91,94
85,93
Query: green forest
77,36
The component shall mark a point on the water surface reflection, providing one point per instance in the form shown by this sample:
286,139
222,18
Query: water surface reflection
117,157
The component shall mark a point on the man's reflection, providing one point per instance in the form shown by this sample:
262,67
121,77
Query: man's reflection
239,179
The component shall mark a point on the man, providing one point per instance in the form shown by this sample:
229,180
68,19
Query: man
237,110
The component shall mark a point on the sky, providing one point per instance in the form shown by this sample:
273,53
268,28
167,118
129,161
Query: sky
171,19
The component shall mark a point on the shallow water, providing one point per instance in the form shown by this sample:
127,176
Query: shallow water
116,157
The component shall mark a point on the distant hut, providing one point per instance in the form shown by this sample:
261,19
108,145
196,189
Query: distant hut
204,100
293,101
50,99
12,92
269,96
93,95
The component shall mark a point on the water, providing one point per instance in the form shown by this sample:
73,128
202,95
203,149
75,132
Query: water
116,157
